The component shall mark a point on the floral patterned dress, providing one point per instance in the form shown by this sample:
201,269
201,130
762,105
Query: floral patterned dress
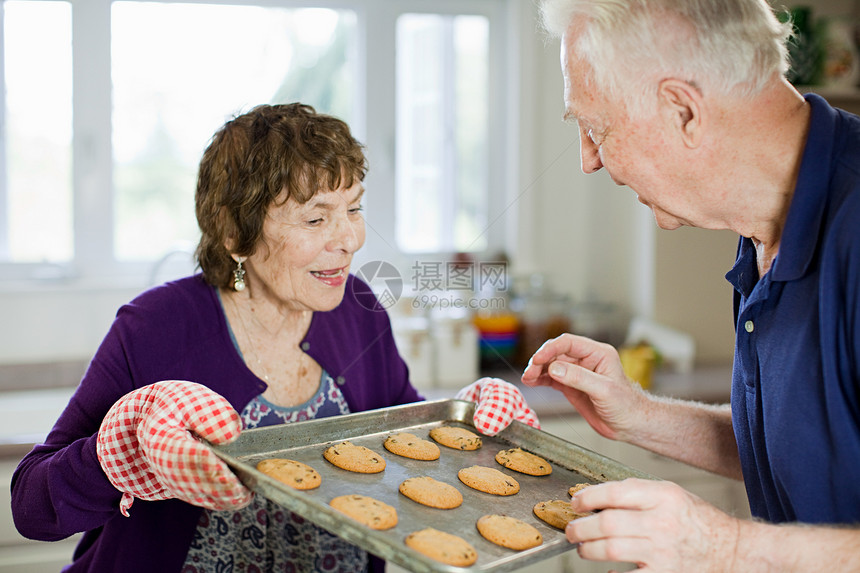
264,537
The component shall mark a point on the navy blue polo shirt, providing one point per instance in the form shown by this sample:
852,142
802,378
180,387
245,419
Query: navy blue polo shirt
795,407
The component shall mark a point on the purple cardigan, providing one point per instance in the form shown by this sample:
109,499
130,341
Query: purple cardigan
178,331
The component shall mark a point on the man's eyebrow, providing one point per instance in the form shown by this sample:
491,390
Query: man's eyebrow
569,116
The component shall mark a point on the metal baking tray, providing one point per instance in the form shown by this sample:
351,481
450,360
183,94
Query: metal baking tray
306,441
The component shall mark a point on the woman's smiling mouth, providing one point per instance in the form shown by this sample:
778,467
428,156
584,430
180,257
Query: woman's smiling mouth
331,277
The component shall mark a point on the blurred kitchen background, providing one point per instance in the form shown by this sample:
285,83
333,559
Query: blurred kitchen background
484,238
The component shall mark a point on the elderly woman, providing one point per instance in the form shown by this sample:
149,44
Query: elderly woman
273,330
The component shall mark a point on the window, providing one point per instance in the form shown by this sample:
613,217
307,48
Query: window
37,39
442,131
99,149
179,71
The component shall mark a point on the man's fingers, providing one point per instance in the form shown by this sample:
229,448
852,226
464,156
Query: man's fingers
631,493
622,529
575,380
576,348
571,349
555,347
624,549
608,523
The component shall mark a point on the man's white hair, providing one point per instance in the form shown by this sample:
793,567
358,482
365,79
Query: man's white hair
721,46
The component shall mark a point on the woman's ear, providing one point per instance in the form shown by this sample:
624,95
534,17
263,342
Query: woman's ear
226,229
229,245
682,105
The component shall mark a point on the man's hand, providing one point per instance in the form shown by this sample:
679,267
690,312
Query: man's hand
655,524
590,375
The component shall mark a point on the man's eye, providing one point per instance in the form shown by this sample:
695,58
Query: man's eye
592,136
315,221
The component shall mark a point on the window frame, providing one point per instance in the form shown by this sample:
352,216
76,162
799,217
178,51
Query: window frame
92,161
381,236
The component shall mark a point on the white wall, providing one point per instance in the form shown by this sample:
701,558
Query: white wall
577,229
54,323
591,238
581,230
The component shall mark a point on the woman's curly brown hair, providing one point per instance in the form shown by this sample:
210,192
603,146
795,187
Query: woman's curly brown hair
272,153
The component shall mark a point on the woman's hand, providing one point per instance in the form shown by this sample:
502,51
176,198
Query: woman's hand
590,375
499,403
655,524
148,446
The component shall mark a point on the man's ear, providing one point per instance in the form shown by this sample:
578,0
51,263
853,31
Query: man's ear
682,106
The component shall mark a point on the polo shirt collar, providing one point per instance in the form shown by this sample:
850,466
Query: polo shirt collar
801,234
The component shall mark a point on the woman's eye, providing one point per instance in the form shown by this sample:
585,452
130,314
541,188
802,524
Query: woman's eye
315,221
355,210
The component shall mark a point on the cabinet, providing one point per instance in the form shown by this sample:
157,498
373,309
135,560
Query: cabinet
565,563
846,15
557,564
20,555
727,494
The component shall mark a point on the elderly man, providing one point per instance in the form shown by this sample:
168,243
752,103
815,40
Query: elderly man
686,103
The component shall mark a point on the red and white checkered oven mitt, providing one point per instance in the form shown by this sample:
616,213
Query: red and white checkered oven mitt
149,448
499,403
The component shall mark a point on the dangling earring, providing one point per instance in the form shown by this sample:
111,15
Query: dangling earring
239,275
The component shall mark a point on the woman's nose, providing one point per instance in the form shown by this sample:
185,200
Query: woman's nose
347,234
589,153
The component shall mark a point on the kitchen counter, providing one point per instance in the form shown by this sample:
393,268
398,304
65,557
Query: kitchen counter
27,416
710,384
